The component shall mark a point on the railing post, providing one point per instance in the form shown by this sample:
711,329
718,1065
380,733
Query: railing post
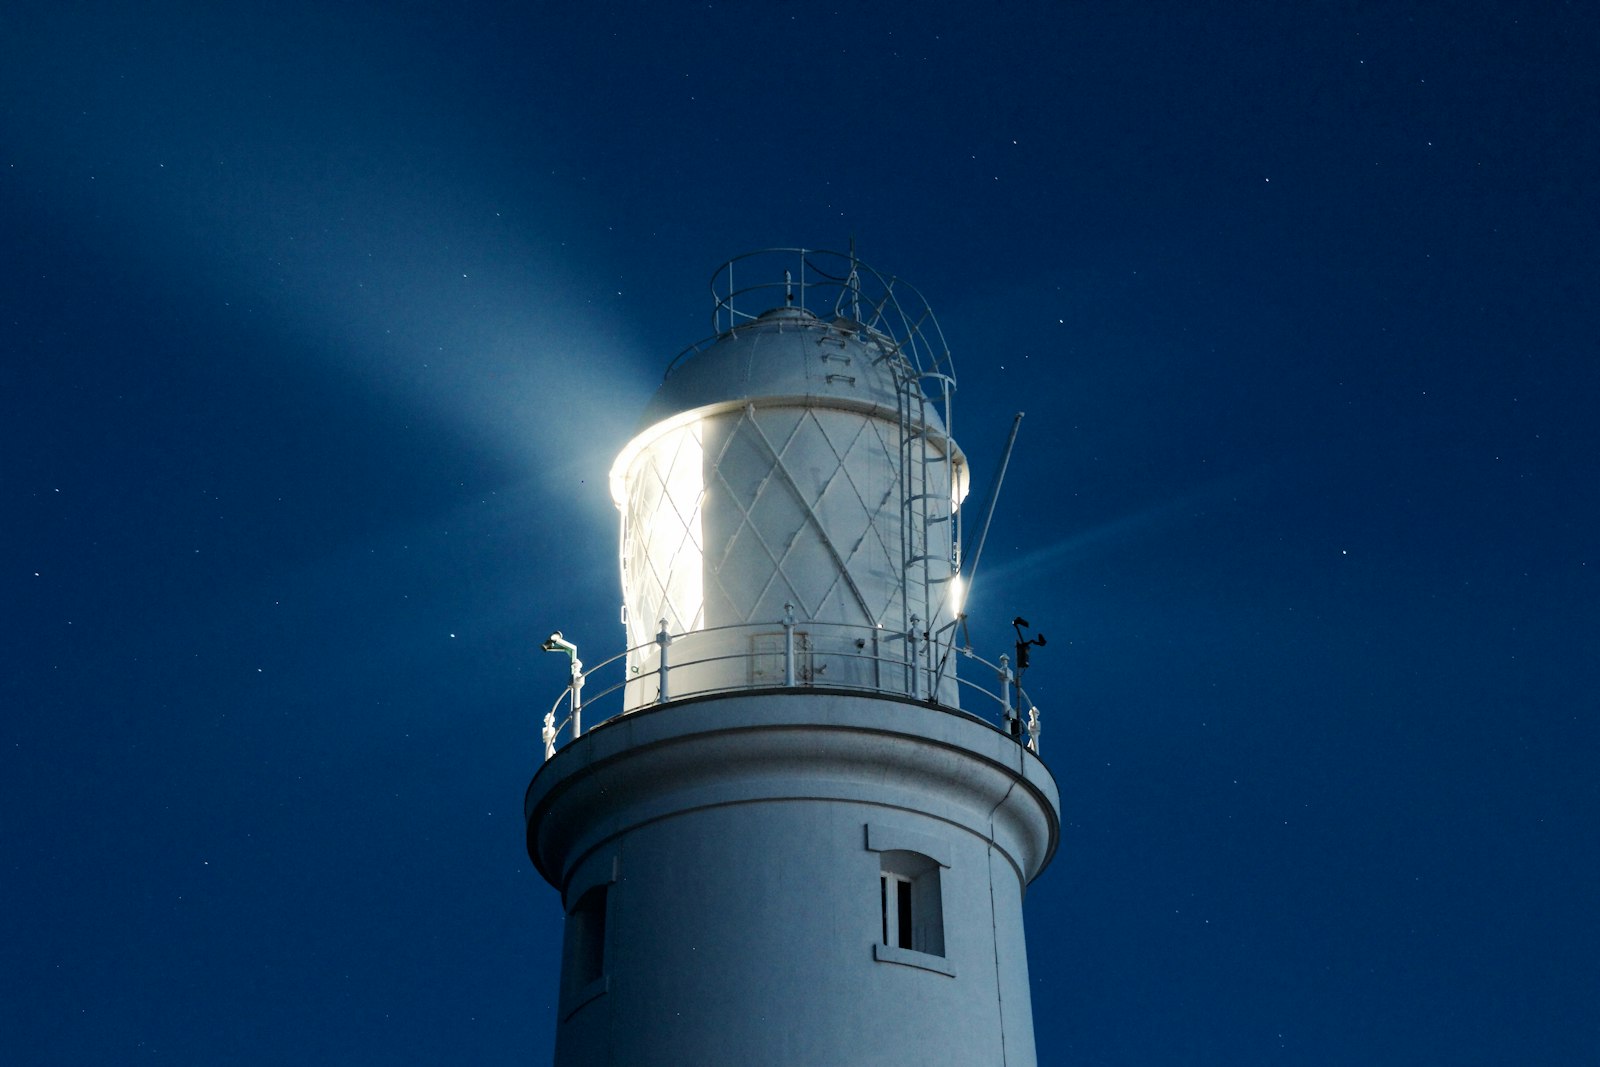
877,658
1013,724
916,660
788,645
577,697
663,639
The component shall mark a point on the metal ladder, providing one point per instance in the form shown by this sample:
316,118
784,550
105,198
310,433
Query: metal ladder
927,492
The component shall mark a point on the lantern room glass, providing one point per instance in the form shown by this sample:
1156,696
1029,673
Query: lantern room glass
663,536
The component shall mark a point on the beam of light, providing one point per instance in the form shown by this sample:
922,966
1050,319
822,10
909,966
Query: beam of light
477,323
423,267
1041,563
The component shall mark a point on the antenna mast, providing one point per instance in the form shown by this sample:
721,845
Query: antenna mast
994,498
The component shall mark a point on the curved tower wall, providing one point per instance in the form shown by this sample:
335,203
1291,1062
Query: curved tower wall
741,852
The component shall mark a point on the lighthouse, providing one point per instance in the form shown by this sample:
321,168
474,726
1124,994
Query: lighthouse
793,820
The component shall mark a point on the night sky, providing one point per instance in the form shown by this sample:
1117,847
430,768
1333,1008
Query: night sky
320,325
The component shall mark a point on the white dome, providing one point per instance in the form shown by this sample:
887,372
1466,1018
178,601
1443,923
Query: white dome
786,357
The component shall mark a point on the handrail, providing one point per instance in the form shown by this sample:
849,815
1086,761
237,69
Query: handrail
921,671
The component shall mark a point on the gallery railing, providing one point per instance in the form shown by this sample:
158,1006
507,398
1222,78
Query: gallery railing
785,654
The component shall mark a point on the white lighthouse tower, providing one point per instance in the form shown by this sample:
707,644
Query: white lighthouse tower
785,831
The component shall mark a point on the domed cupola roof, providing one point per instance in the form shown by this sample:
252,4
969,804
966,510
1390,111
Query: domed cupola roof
785,355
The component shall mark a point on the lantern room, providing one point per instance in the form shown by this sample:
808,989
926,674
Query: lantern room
790,504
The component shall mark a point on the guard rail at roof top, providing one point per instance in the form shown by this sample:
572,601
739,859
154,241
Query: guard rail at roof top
833,285
926,666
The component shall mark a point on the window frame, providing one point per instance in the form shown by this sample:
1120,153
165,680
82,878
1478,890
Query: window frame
578,935
911,927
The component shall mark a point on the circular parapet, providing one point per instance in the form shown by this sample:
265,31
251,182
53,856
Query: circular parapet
778,745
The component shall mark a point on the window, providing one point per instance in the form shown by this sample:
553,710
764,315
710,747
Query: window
583,951
911,928
913,913
586,938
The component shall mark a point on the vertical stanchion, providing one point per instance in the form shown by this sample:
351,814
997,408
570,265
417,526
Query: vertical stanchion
663,639
577,697
916,668
1013,724
788,645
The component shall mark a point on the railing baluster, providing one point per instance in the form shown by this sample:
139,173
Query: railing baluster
663,639
916,665
1012,725
577,696
788,645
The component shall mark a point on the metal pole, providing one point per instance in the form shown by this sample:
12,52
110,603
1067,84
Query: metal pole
577,696
994,498
916,669
788,645
1005,695
663,639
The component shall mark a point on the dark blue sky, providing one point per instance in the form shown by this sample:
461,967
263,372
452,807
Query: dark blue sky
320,325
